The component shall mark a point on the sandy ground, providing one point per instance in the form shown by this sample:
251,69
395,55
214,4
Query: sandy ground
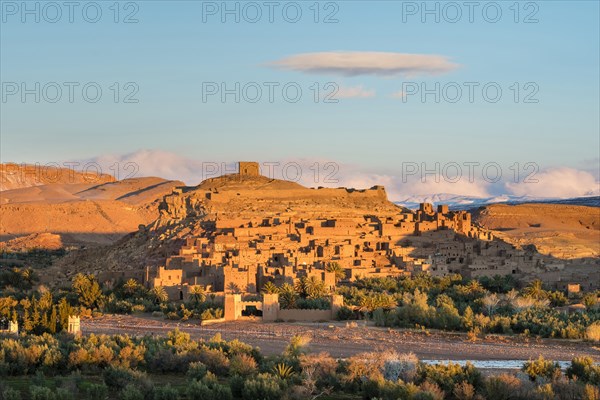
342,341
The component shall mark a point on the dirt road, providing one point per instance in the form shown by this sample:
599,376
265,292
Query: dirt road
343,341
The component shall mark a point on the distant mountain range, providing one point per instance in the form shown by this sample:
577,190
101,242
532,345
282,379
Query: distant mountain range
457,202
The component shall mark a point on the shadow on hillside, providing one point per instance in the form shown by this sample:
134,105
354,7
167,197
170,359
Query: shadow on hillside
530,264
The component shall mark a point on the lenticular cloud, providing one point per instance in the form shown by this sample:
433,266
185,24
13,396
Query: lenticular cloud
354,63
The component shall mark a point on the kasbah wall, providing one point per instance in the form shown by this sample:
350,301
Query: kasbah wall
271,311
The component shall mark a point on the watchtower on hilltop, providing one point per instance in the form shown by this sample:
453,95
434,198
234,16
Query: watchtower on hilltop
247,168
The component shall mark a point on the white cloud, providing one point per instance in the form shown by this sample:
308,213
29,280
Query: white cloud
354,92
354,63
477,188
557,182
158,163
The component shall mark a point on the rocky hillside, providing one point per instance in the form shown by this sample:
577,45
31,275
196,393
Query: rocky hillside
17,176
563,231
81,213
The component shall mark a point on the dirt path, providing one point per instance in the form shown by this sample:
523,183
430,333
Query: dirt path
342,341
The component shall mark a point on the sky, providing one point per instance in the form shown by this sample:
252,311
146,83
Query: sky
471,98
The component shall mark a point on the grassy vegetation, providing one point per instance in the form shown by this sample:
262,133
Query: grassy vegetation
452,303
62,367
33,258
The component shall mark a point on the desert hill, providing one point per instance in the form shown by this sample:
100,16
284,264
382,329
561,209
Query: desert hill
46,241
246,183
253,196
82,213
17,176
564,231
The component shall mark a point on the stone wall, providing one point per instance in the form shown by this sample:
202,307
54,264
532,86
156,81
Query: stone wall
272,312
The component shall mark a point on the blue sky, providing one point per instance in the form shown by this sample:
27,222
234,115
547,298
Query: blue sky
174,50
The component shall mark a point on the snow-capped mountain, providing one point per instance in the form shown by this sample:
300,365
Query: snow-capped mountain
456,201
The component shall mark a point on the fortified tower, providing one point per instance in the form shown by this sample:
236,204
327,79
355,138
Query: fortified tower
74,326
247,168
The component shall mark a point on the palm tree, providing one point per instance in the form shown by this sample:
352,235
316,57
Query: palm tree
475,287
159,294
497,283
522,303
28,275
233,288
370,303
491,302
315,288
386,301
511,296
340,273
197,294
366,305
535,290
300,286
270,288
131,286
311,287
287,296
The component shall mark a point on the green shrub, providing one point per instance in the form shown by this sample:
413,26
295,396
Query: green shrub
384,390
210,313
344,314
593,332
402,366
464,391
313,304
173,316
420,395
215,360
242,364
197,390
541,368
208,389
447,376
196,370
502,387
120,377
11,394
93,391
379,317
544,392
41,393
165,360
166,393
236,383
591,392
584,369
130,392
430,391
264,387
38,379
64,394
